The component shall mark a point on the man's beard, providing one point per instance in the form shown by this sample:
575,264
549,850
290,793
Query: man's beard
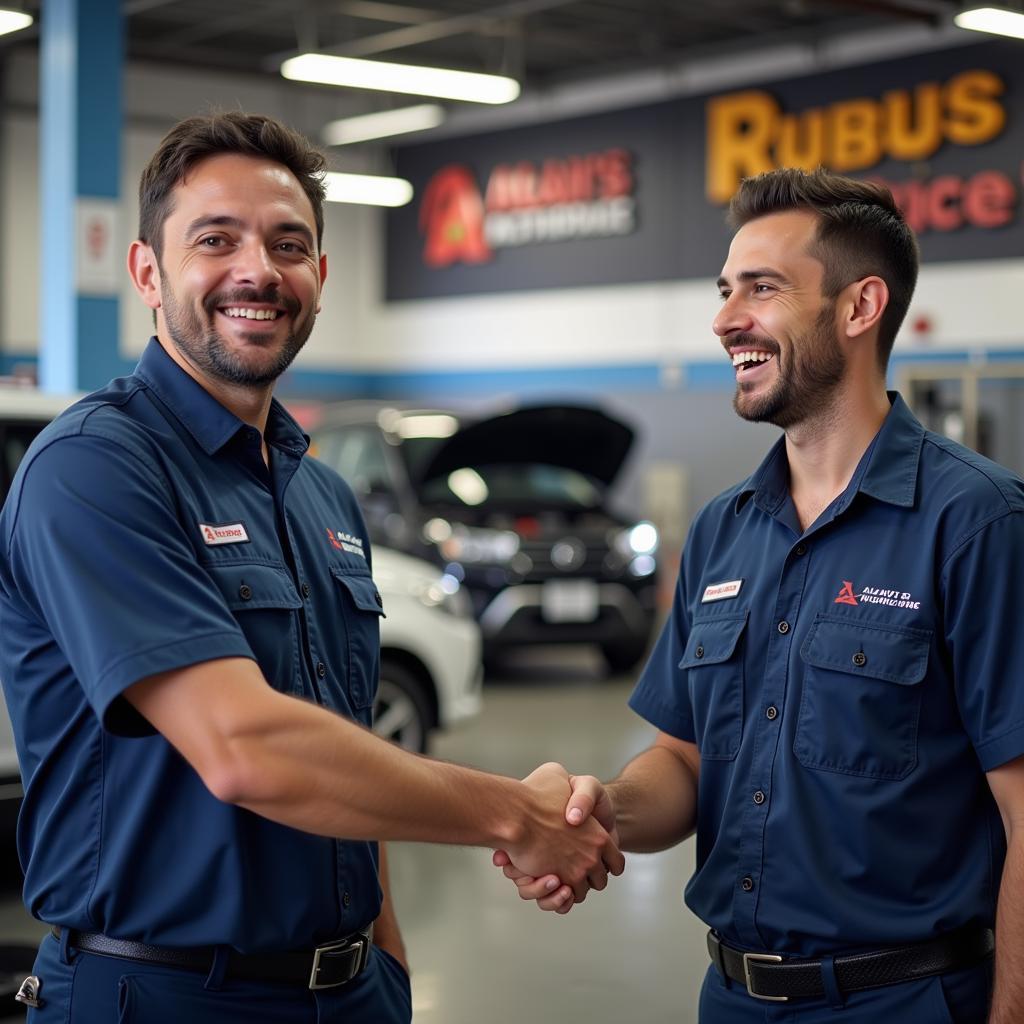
201,343
805,388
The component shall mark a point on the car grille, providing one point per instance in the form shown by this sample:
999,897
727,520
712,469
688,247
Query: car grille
591,563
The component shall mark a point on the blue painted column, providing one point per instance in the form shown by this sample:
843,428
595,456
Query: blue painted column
82,255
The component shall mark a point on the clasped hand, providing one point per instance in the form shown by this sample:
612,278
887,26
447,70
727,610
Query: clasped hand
579,850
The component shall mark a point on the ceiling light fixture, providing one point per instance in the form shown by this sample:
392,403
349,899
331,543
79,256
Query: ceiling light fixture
998,20
408,78
367,189
13,21
382,124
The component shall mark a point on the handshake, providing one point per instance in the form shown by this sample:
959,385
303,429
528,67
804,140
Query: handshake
571,844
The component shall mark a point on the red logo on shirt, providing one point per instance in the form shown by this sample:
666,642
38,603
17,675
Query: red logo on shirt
334,543
846,595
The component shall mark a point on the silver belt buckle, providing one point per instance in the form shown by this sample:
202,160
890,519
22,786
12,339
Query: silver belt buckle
360,940
766,958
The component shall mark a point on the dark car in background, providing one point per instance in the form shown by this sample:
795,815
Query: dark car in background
516,508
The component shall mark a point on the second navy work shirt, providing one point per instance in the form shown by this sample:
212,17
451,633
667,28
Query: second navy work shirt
848,686
143,533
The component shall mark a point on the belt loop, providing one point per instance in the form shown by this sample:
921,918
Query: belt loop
828,979
66,954
218,969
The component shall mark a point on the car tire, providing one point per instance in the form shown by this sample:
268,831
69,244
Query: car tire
401,712
625,655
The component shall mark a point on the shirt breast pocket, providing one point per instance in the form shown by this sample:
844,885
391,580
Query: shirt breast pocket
713,667
263,600
363,608
861,698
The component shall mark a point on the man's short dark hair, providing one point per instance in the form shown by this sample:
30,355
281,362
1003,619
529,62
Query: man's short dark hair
197,138
861,232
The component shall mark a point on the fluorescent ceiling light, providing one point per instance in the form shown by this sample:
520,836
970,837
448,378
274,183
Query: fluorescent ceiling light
12,21
367,189
997,20
408,78
379,126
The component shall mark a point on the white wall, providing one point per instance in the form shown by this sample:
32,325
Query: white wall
971,305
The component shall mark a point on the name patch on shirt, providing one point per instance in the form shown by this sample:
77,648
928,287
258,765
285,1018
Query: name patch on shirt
228,533
721,591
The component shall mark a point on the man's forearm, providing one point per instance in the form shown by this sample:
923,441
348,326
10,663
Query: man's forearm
1008,995
655,801
303,766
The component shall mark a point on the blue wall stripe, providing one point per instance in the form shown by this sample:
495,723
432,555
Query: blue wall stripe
700,375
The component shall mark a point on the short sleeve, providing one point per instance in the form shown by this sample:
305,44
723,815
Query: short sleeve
982,594
660,696
99,558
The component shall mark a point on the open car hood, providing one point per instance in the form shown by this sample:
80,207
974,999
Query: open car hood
581,438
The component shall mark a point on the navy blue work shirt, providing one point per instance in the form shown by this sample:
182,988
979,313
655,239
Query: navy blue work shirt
848,686
144,533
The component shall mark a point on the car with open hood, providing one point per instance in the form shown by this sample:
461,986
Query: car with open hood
516,507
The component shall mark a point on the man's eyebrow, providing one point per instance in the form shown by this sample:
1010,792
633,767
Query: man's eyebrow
291,227
754,275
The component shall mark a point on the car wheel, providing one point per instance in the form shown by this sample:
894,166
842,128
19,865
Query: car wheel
402,710
626,655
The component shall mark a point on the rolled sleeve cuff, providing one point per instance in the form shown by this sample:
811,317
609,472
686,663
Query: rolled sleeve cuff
117,715
1002,749
661,716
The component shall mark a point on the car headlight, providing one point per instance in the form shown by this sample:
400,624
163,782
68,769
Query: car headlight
447,595
638,540
474,545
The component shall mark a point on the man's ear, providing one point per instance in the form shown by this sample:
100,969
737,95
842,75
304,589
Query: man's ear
144,271
867,300
323,277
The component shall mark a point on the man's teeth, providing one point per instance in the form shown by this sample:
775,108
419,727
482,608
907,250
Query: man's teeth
739,358
252,314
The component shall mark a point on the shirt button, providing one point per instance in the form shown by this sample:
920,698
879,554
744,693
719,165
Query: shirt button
305,590
783,627
747,884
771,713
699,653
346,899
801,549
759,798
860,659
245,592
321,669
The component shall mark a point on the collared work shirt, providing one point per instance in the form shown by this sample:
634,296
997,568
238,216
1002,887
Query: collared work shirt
848,686
144,533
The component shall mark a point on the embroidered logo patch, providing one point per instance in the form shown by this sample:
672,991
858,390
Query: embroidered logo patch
228,533
721,591
877,595
346,542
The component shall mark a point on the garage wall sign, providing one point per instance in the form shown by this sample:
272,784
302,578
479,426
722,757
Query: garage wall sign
638,195
526,203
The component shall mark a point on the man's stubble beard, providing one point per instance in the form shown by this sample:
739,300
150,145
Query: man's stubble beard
206,349
804,389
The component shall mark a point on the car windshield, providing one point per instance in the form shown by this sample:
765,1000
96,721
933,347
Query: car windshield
531,484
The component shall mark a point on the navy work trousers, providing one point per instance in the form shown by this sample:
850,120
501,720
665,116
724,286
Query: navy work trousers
960,997
83,988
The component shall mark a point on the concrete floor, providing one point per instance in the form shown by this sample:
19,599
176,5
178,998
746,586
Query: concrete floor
631,953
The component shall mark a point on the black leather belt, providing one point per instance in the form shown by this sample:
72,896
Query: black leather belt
778,978
334,963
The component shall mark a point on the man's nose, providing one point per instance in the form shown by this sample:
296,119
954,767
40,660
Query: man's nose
254,266
733,316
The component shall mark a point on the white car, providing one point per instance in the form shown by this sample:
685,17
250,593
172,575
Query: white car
430,650
431,670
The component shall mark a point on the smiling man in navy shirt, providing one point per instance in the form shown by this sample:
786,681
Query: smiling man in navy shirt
189,651
839,690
